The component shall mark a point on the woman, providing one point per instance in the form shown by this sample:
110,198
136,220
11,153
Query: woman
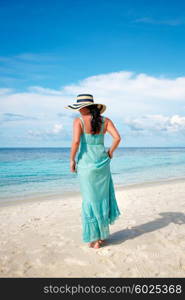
99,205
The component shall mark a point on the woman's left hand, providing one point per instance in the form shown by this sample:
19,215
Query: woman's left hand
109,154
73,166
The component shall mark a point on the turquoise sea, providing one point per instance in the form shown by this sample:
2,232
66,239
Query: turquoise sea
39,172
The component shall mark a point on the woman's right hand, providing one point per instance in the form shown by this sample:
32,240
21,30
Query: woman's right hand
73,166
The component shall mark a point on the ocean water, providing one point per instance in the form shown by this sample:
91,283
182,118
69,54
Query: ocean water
39,172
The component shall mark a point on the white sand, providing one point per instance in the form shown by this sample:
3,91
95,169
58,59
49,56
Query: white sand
43,238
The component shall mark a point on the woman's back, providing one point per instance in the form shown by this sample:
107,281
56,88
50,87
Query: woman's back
86,120
91,145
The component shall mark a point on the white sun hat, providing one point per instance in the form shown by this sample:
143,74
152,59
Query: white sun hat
84,100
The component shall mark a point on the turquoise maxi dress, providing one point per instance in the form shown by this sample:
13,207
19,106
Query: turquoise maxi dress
99,205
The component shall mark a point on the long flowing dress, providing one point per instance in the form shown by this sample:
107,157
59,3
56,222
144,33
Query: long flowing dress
99,205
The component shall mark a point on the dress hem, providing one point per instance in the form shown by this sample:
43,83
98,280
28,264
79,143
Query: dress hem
106,234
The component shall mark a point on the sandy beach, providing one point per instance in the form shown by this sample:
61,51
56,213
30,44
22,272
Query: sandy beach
42,238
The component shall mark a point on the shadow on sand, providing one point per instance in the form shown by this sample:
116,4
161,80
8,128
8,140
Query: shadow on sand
165,219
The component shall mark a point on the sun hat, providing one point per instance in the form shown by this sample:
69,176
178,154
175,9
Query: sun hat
84,100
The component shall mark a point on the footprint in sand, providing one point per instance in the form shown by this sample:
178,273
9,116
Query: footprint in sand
105,252
36,219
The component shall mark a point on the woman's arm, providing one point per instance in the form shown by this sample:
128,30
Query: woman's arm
116,137
77,130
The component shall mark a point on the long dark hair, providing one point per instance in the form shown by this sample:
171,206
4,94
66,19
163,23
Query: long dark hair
96,121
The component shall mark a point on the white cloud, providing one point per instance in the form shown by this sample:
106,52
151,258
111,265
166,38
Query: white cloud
44,91
143,102
177,123
57,131
170,22
57,128
29,66
37,57
5,91
123,92
126,89
9,117
157,123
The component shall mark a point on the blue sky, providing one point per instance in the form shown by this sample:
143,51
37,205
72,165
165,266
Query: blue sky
128,54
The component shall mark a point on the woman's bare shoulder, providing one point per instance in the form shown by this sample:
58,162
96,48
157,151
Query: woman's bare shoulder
77,121
109,123
107,120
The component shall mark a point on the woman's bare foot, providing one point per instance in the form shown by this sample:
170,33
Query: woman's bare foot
101,242
91,244
96,244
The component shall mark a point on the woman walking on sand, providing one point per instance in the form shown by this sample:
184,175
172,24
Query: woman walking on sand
99,205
